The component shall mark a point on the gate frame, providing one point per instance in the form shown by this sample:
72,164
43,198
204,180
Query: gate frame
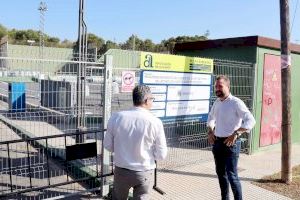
105,156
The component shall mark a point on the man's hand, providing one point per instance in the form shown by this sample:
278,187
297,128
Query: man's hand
230,140
211,137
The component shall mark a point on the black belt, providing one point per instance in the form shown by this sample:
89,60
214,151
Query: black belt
221,138
124,168
131,169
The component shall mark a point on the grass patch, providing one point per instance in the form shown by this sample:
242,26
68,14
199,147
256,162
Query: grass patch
274,184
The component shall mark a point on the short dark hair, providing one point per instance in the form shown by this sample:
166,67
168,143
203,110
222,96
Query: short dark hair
139,94
223,77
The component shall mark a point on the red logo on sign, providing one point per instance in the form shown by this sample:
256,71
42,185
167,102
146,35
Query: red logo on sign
128,79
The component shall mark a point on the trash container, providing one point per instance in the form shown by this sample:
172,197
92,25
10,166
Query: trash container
16,97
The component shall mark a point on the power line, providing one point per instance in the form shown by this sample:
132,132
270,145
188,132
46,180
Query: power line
294,16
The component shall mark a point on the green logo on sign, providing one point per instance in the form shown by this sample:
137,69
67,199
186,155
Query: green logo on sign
148,61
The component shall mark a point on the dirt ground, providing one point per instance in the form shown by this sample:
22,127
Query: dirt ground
273,183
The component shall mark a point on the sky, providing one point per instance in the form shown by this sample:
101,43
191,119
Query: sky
117,20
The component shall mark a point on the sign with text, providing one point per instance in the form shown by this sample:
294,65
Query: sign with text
156,77
166,62
180,108
181,85
178,94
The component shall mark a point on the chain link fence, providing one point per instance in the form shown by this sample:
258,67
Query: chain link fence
48,114
187,140
53,113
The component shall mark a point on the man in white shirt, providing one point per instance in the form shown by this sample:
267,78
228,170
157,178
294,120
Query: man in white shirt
228,119
137,139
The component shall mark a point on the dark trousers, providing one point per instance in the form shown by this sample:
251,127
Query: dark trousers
124,179
226,160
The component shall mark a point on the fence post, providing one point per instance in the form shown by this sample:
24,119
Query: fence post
106,98
253,104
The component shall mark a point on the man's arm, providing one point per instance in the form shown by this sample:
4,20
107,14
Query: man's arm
108,142
160,146
248,123
246,116
211,120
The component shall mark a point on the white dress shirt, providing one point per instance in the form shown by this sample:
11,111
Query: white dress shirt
229,115
137,139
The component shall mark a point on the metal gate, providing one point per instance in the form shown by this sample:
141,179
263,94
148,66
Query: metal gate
52,122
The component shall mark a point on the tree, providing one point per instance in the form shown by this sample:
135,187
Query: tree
3,31
32,35
67,44
148,45
108,45
52,41
12,36
169,44
133,43
95,41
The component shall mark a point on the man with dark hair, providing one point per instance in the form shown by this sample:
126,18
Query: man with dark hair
228,119
137,139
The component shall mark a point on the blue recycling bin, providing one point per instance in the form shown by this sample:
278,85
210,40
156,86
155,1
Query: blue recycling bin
16,97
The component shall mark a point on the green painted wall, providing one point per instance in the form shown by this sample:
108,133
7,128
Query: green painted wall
123,58
258,95
245,54
295,96
256,55
28,54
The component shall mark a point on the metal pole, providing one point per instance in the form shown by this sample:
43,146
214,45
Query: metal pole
80,97
83,74
42,8
286,169
254,95
157,189
106,162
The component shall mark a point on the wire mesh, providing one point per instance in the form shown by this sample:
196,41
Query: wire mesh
33,164
45,106
50,103
187,139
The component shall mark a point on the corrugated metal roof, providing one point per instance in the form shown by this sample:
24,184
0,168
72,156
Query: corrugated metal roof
233,42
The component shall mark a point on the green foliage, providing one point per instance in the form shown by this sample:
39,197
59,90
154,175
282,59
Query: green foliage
108,45
169,44
94,41
3,31
67,44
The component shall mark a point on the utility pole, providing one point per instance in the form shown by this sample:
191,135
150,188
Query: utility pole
42,8
286,168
